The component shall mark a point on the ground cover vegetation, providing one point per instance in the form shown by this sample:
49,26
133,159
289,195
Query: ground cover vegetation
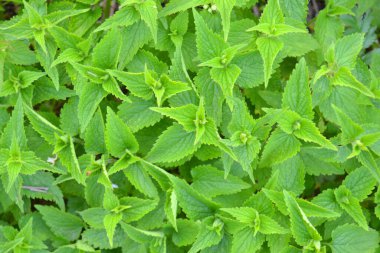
189,126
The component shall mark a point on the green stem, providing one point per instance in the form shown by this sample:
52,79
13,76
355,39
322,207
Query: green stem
107,9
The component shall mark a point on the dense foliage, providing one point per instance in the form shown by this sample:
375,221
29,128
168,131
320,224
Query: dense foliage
189,126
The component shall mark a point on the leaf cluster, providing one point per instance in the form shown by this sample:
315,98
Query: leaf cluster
190,126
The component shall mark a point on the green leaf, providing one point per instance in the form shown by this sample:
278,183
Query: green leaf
168,89
351,205
281,29
148,12
225,7
26,77
110,222
89,99
252,69
137,208
345,78
211,182
69,118
192,202
186,231
18,52
140,179
270,226
179,6
93,74
238,34
46,59
272,13
302,128
32,164
140,235
313,210
226,78
269,47
68,157
123,163
65,39
272,154
135,82
172,145
94,139
98,238
14,169
295,9
245,240
34,17
303,231
184,115
119,138
347,50
309,208
11,245
133,37
171,204
209,44
94,216
297,95
298,44
26,232
45,128
110,201
180,23
350,238
366,158
213,94
60,15
137,114
208,235
7,88
360,182
310,133
350,129
102,56
111,86
246,215
39,180
285,176
65,225
241,120
15,128
328,29
124,17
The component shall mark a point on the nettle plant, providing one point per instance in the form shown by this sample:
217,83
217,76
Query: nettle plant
190,126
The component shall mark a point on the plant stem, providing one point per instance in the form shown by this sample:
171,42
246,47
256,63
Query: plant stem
106,9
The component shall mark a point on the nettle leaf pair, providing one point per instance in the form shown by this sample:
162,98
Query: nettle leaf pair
16,159
149,83
40,25
361,142
340,59
19,82
271,26
114,211
130,12
217,55
189,126
294,120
